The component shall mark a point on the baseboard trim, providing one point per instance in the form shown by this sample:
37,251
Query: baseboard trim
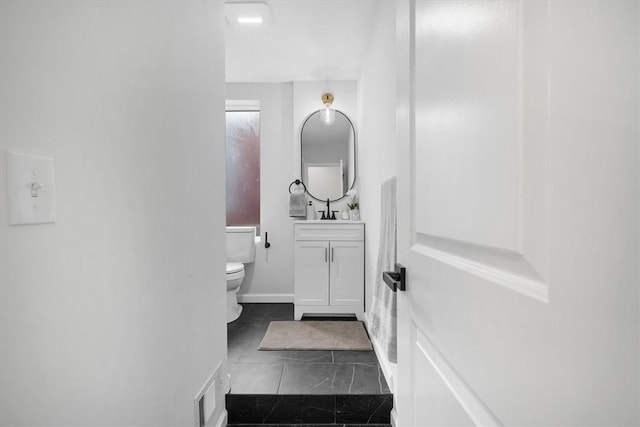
265,298
389,369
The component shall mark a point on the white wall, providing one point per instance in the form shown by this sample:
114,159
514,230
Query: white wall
377,137
115,314
270,278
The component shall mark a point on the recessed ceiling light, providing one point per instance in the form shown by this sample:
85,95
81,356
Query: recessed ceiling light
250,20
241,14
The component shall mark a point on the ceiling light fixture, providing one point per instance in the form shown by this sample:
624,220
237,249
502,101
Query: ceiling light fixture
250,20
243,14
328,115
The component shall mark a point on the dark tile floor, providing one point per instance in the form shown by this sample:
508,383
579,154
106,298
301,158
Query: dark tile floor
308,425
294,372
295,387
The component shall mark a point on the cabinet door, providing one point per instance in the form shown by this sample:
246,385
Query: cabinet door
312,273
347,273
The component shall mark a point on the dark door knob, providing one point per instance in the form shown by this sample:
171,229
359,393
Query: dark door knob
396,279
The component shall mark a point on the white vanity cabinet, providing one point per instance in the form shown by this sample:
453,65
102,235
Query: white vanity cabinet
329,268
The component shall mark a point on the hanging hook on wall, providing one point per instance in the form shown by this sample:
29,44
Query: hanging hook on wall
267,245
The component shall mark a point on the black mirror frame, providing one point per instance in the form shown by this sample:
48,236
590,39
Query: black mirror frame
355,156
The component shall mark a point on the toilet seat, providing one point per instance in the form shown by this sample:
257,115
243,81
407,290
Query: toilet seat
235,274
235,270
240,250
234,267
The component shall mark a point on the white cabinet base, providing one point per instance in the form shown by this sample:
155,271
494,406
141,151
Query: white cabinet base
337,310
329,268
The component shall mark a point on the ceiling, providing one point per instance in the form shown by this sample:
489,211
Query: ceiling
305,40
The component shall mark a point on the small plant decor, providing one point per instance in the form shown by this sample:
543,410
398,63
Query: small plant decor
353,199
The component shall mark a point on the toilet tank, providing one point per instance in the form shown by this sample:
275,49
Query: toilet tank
241,244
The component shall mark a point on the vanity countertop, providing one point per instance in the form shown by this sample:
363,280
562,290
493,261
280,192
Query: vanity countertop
326,221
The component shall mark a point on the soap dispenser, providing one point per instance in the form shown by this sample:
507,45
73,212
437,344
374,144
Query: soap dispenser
311,213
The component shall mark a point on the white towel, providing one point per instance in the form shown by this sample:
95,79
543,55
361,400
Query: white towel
383,315
298,203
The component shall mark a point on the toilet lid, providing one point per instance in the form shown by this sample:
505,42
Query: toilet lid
234,267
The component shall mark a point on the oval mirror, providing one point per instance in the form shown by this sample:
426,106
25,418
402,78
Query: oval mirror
328,156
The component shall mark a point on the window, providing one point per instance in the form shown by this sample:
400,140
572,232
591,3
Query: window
243,165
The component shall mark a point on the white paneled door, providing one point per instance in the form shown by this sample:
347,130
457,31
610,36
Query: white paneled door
518,212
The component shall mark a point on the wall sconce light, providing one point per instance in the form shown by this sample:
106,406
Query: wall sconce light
328,115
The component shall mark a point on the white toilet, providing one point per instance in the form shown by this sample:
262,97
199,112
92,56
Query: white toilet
241,249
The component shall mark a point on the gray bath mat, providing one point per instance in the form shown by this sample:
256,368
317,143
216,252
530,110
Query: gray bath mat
315,335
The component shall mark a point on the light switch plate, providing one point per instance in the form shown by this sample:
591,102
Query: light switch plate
30,189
